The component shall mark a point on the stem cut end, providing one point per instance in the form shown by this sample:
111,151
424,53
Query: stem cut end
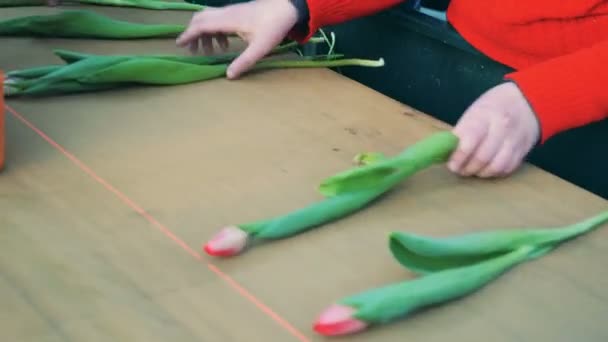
337,320
228,242
367,158
9,90
12,80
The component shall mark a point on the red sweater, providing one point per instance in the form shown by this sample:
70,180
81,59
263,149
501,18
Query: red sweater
559,49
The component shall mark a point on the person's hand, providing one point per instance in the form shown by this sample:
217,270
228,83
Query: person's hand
263,24
495,134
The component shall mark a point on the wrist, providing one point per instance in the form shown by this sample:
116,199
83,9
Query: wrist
520,104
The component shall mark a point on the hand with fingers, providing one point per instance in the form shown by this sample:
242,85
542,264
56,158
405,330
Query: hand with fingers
262,24
495,134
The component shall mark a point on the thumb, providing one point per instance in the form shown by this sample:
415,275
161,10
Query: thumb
256,50
471,131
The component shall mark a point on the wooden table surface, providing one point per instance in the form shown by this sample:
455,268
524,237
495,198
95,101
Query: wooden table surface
107,198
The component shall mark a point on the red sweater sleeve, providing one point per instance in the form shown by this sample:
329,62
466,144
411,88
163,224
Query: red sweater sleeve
330,12
568,91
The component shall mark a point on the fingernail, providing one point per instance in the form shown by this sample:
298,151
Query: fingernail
230,72
452,166
228,242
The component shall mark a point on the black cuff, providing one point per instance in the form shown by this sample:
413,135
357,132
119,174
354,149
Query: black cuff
303,15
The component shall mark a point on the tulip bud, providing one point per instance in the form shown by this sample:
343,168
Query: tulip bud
228,242
337,320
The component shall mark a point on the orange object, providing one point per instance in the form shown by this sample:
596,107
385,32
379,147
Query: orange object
2,131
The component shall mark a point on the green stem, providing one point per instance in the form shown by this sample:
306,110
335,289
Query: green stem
318,64
313,215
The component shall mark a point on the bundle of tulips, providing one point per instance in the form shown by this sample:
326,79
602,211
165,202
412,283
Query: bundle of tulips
88,72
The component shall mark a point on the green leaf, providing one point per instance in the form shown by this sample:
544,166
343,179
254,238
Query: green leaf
34,72
69,56
70,72
67,87
433,149
84,24
424,254
148,70
356,180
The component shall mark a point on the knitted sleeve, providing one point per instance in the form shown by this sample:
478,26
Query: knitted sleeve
568,91
329,12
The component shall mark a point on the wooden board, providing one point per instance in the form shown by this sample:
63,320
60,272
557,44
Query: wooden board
108,197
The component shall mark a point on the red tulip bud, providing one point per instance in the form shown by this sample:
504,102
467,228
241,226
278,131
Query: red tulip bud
228,242
337,320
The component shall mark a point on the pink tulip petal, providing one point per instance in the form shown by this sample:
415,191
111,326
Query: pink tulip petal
337,320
